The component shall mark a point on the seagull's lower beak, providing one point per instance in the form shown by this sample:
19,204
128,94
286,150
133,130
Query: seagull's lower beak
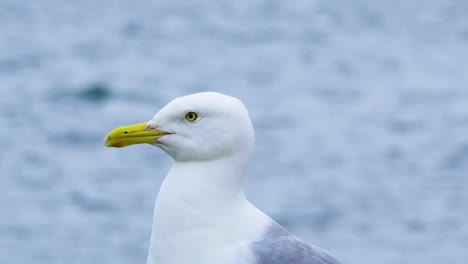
133,134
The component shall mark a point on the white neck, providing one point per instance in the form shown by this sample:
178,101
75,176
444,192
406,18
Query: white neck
200,208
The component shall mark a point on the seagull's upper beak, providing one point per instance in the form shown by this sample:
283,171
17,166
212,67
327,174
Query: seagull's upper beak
133,134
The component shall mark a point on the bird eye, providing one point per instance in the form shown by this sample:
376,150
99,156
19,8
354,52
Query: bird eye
191,116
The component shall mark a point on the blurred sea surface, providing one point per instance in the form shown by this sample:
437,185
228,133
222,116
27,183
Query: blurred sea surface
360,110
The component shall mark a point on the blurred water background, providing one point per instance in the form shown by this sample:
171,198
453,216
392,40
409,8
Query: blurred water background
360,110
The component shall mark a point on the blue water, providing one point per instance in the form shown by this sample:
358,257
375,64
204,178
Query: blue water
360,110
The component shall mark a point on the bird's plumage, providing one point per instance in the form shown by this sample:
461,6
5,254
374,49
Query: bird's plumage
201,215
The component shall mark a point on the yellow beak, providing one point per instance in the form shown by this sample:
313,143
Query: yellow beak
133,134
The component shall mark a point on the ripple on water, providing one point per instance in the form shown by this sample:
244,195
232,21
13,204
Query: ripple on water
90,204
95,92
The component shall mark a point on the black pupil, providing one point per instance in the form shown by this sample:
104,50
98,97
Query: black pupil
191,116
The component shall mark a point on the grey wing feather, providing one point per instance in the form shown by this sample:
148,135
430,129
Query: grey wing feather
281,247
290,250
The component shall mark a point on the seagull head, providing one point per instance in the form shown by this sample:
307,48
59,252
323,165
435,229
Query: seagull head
196,127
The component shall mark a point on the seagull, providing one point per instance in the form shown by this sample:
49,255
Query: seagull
201,214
